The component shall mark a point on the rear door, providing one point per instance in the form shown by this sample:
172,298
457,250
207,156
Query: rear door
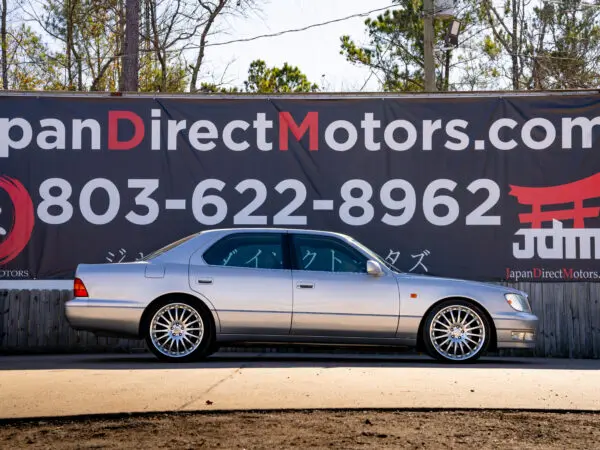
247,277
334,295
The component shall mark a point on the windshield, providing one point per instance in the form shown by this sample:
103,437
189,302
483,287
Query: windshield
375,256
168,247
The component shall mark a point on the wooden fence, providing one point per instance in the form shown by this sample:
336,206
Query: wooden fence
34,321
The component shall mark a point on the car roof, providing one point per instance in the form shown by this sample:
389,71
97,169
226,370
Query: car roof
272,230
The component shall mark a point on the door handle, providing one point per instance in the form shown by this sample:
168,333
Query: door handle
205,281
305,285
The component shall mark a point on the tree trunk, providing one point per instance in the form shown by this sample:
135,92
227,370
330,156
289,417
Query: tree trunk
447,71
161,56
211,19
96,82
537,63
147,30
131,59
120,38
515,46
79,64
4,48
69,44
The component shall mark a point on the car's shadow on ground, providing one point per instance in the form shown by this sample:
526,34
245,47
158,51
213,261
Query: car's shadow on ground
270,360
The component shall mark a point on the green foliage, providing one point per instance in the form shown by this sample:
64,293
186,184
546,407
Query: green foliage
491,47
570,55
516,44
395,51
542,45
87,38
264,79
31,64
151,76
212,88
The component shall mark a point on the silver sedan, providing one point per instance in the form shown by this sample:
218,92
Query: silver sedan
291,286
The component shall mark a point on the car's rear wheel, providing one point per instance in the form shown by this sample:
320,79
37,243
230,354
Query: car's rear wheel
456,331
179,330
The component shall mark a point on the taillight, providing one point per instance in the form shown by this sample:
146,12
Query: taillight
79,288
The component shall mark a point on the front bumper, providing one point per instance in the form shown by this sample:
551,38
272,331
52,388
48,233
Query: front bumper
110,317
516,330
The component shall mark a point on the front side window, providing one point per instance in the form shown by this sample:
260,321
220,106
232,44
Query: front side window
251,250
324,254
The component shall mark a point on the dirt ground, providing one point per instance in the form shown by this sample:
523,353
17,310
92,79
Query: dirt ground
318,429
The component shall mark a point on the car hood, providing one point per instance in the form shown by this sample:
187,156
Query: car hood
427,279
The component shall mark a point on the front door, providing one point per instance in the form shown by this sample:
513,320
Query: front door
248,280
334,295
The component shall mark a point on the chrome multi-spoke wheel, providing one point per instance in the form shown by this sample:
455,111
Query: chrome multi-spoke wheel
177,330
457,332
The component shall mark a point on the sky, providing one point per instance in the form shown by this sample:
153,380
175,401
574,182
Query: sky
316,51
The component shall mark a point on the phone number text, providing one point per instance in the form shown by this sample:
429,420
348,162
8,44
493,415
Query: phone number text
395,204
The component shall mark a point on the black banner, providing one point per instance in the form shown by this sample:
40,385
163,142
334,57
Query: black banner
478,187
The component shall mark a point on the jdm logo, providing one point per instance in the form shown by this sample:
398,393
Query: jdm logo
567,204
14,238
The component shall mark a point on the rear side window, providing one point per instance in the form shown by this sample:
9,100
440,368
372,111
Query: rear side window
250,250
169,247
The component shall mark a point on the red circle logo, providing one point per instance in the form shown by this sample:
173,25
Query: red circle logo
17,237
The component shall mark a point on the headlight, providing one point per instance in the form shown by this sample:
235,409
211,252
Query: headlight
518,302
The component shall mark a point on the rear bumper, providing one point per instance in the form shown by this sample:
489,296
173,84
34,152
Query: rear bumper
516,330
112,317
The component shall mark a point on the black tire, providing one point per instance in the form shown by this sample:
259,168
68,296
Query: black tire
195,314
447,346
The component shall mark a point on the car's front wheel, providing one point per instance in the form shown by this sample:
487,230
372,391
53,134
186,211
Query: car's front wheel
179,331
456,331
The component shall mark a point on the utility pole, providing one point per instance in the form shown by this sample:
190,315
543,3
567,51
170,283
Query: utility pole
131,57
428,43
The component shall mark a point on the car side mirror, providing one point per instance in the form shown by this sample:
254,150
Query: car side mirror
374,268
